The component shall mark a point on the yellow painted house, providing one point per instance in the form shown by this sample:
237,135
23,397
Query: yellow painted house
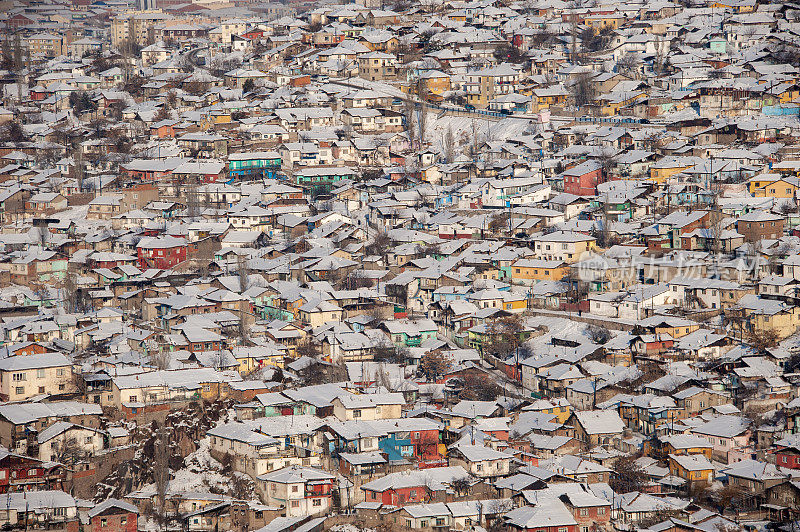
546,97
773,186
695,469
527,271
701,447
221,117
786,92
515,304
769,315
673,326
603,19
215,118
435,82
668,167
736,7
458,16
559,408
612,103
253,358
566,246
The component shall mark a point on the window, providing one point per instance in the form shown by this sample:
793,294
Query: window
88,439
601,511
20,390
356,413
295,504
18,377
584,512
103,523
294,489
40,374
60,372
317,502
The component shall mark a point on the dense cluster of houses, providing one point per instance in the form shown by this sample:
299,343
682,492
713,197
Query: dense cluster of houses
471,265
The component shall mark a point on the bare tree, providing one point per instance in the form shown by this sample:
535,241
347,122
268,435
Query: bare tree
662,47
70,291
244,273
449,145
598,334
627,475
461,486
628,64
243,331
763,339
67,451
573,32
504,336
161,475
422,122
499,222
380,246
480,387
582,90
192,205
18,64
409,118
79,170
434,364
160,359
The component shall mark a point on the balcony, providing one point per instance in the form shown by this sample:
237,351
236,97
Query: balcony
415,341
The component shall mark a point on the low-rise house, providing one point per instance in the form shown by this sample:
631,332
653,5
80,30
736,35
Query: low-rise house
548,514
113,514
481,462
367,407
18,421
596,427
69,443
754,477
46,508
695,469
727,434
299,490
26,376
162,252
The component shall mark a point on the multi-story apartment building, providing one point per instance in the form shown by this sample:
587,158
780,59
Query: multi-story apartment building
485,85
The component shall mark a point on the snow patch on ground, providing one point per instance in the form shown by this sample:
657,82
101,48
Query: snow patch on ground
202,472
350,528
